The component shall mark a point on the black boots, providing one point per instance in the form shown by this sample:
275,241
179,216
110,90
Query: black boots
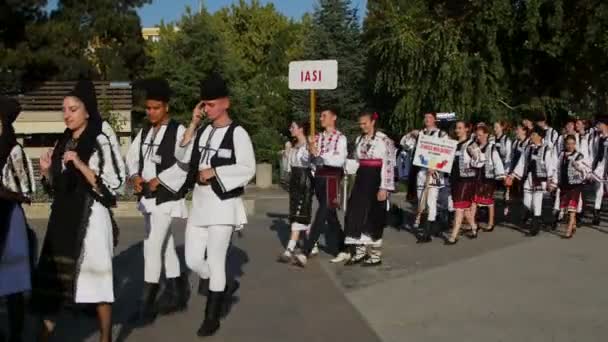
537,223
425,235
147,312
596,217
16,317
211,324
176,295
203,286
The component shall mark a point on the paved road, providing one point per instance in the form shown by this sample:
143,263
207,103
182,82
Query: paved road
501,287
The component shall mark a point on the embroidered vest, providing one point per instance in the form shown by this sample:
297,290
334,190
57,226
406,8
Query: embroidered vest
216,161
569,175
536,162
461,167
166,152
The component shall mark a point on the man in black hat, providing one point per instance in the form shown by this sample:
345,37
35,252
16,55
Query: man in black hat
222,162
158,180
537,169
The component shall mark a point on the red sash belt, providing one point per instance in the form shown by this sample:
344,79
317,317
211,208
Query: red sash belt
370,162
332,176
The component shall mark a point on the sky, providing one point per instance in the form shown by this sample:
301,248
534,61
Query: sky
171,10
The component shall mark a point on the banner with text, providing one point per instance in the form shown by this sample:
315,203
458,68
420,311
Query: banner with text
306,75
435,153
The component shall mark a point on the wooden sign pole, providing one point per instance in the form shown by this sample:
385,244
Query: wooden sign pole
313,115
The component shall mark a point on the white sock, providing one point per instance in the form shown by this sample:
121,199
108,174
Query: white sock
291,245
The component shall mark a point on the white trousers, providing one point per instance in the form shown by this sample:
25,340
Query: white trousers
214,240
431,202
533,200
599,195
159,248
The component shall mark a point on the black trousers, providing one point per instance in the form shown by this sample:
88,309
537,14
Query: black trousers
324,215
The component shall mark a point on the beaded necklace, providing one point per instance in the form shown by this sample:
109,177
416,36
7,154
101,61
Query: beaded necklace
368,145
325,147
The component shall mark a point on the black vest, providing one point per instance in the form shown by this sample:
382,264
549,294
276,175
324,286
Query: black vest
166,151
216,161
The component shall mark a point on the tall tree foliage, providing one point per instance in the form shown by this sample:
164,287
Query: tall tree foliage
486,58
336,34
437,56
96,38
16,17
251,44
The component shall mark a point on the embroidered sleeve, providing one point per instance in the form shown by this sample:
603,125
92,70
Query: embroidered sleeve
336,155
107,164
552,166
133,156
388,165
174,177
303,156
21,170
499,169
518,171
230,177
581,166
508,153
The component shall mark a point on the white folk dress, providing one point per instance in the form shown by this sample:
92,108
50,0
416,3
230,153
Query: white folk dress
95,280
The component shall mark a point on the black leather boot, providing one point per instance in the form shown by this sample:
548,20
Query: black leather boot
203,286
596,217
211,324
176,295
425,236
147,312
537,222
15,305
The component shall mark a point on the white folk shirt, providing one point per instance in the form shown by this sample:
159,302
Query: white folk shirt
298,157
382,147
17,174
207,208
332,149
172,178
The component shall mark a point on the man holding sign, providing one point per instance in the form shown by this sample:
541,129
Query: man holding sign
434,155
328,155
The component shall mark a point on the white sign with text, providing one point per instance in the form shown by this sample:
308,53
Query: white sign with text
322,74
435,153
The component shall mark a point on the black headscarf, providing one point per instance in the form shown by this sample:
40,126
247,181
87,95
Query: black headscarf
9,110
85,145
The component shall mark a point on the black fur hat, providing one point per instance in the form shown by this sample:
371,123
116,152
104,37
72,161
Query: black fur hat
214,87
157,89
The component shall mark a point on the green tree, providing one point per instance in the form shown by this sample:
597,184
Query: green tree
15,56
437,56
188,51
106,32
335,33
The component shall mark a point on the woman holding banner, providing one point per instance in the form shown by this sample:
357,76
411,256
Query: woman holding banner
367,206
